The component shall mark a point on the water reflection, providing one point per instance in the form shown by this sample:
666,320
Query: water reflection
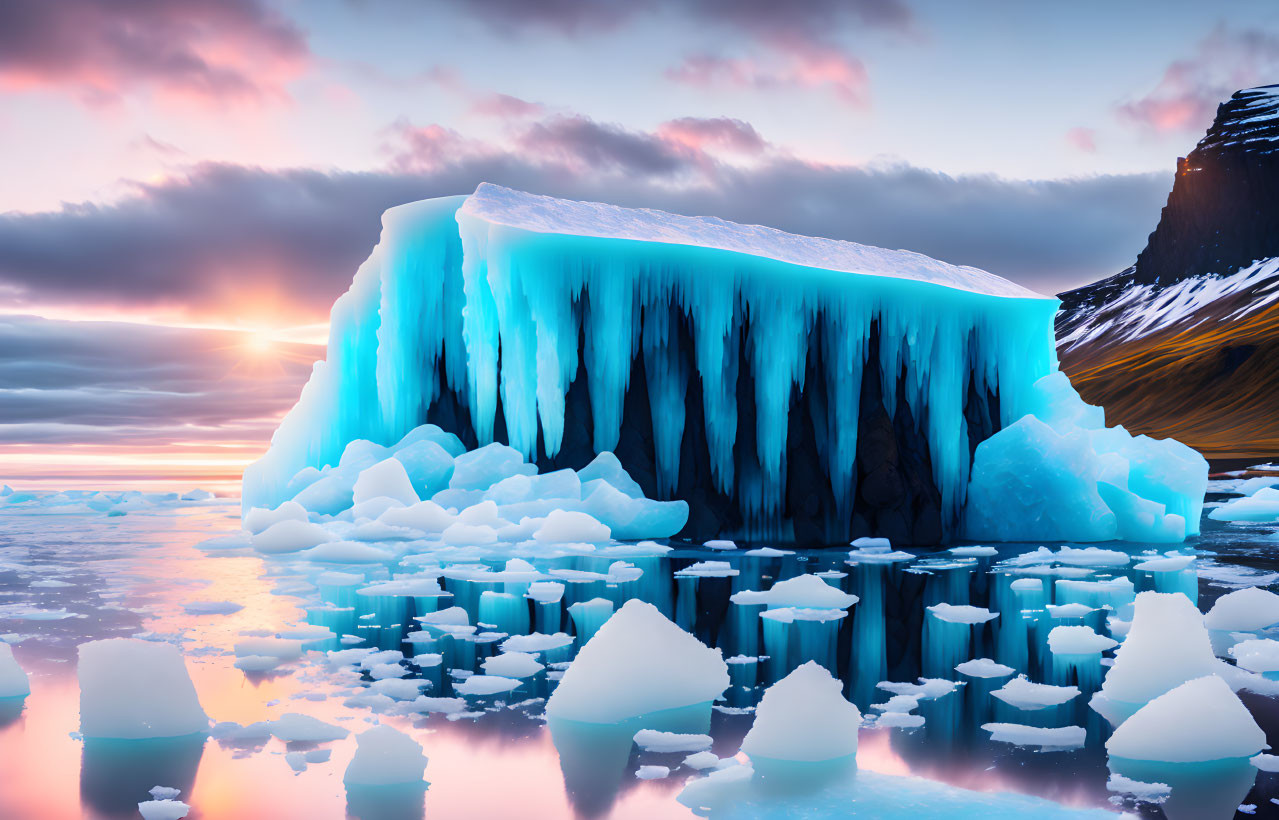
142,571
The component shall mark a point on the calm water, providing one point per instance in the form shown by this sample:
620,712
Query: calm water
132,576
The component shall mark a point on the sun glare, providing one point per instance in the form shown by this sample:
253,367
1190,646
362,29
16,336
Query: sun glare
258,343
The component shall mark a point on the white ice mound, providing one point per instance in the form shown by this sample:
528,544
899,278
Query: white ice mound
1263,506
13,680
1166,646
386,479
962,613
385,756
1199,721
804,717
639,662
1023,694
1244,610
802,591
1059,473
290,535
133,689
1078,640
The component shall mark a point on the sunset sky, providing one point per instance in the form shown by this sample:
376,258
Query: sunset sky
186,185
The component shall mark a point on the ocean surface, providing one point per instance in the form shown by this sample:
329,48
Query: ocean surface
67,577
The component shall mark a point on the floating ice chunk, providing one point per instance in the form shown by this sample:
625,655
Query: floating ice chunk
1199,721
1263,506
804,717
984,668
483,467
256,663
1078,640
132,689
1146,792
1022,694
637,663
651,740
459,534
701,760
720,544
1245,610
898,703
711,569
1061,737
962,613
163,809
899,720
385,756
398,688
875,551
283,649
1027,585
385,479
387,671
1058,472
1172,563
799,592
347,552
536,642
294,727
652,772
973,552
512,665
290,535
867,543
566,526
1068,610
545,592
452,615
1166,646
164,793
420,587
485,685
790,614
1258,655
768,552
426,516
257,519
926,689
13,680
1265,762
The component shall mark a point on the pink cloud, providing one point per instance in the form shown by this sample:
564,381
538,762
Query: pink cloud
504,106
794,63
1186,97
717,133
192,51
1082,139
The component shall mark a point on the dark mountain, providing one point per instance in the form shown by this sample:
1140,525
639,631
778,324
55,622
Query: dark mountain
1185,343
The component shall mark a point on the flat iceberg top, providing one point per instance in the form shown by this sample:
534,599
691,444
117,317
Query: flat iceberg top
544,214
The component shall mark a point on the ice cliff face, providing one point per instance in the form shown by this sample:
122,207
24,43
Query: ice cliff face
788,387
1186,342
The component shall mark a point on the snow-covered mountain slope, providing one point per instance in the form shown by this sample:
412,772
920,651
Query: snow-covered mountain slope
1185,343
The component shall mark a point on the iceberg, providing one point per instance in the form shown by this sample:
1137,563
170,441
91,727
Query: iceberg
738,366
1199,721
385,756
803,718
637,664
132,689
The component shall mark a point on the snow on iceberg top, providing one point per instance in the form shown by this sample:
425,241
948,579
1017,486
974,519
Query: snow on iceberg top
544,214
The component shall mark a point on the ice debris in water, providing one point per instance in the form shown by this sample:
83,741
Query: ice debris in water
804,717
1166,646
1078,640
1259,655
652,772
1265,762
802,591
1261,506
1058,472
638,662
133,689
962,613
385,756
1060,737
163,809
984,668
1199,721
1023,694
164,793
1143,791
295,727
651,740
13,680
1245,610
493,499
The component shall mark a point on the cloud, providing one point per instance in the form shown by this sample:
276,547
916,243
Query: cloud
98,381
194,50
504,106
1082,139
1186,97
811,66
226,243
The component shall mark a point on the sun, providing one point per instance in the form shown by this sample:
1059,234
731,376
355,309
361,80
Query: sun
259,343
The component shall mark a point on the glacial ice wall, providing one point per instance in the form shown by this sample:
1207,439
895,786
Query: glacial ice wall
483,312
